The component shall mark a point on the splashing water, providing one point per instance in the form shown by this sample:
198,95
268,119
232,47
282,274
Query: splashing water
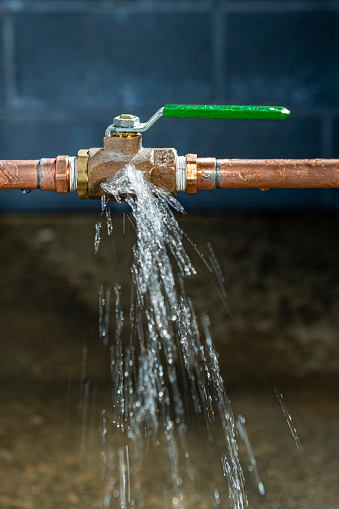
288,417
165,345
240,423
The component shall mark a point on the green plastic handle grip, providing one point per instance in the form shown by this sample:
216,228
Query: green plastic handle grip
230,112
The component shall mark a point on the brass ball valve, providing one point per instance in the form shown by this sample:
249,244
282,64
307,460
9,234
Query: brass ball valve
122,144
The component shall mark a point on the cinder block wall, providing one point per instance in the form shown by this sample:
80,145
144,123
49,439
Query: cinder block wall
68,66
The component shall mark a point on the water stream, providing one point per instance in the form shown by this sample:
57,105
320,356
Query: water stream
164,365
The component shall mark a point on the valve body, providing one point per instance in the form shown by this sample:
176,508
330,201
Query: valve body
158,164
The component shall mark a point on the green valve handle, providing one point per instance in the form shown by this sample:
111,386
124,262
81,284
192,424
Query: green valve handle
132,124
228,112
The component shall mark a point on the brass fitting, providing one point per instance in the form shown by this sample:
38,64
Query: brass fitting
96,165
82,173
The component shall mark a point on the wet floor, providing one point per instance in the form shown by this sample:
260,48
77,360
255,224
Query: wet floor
45,462
50,449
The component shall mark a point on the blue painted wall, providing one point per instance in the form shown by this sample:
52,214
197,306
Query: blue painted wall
68,66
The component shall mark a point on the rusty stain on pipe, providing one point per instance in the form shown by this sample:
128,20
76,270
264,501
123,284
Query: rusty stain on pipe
263,173
207,177
51,174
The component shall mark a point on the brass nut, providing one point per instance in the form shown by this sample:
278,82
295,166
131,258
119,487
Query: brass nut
82,173
191,173
62,174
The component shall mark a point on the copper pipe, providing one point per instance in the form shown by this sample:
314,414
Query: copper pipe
260,173
45,174
198,173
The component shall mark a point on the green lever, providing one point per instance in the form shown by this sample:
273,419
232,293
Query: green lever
230,112
132,124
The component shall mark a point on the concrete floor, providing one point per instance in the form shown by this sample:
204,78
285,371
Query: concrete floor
282,279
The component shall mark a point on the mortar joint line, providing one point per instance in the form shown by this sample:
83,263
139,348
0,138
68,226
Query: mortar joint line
286,6
9,70
103,6
107,6
218,41
326,135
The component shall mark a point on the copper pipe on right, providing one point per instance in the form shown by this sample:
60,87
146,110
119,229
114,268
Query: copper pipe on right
210,173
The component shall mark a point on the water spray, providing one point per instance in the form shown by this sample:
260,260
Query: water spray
163,167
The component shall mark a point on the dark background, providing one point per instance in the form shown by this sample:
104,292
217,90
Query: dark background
68,66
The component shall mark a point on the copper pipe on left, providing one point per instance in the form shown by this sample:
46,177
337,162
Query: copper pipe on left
52,174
